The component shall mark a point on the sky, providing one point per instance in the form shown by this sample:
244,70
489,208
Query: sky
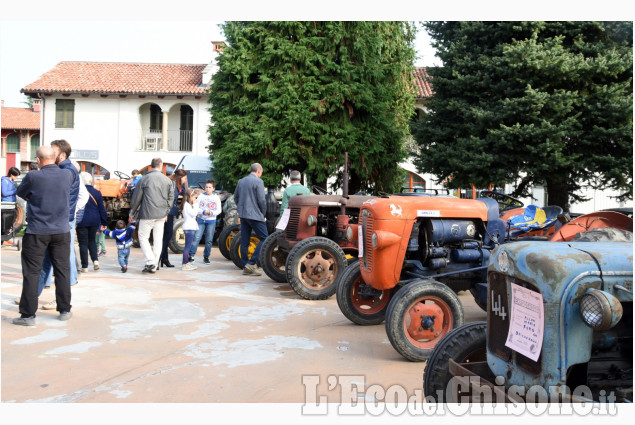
181,32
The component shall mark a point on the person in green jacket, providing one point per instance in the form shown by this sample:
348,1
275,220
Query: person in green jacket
295,188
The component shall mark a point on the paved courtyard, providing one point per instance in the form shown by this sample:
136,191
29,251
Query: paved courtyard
210,335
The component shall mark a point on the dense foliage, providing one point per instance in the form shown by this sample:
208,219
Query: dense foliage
297,95
547,103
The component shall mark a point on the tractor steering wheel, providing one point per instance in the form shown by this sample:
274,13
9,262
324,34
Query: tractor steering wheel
122,175
505,202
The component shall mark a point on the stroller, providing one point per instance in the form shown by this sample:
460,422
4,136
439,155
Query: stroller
9,213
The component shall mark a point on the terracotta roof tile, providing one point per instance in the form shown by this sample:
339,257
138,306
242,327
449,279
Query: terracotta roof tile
20,119
120,78
422,83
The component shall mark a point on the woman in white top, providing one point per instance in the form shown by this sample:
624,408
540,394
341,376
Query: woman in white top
190,226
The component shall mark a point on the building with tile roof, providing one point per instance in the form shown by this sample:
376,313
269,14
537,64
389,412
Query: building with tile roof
118,116
20,136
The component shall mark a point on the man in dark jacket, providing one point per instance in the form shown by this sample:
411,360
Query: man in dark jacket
47,191
63,151
252,207
151,201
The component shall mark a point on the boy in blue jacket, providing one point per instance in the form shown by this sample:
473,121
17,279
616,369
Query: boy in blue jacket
123,239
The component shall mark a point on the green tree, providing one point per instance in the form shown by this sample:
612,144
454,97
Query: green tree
297,95
531,102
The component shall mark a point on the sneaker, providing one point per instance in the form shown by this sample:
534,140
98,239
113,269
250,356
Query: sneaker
84,270
188,266
124,269
206,260
65,315
149,268
190,259
96,265
24,321
101,254
17,301
50,306
251,270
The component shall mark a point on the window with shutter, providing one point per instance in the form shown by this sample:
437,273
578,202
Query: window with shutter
13,143
35,144
64,113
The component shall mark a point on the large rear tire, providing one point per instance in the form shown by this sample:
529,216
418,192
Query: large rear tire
420,315
313,266
225,239
464,344
273,259
359,302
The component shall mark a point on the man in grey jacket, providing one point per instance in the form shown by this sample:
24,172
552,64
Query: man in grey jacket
252,207
152,199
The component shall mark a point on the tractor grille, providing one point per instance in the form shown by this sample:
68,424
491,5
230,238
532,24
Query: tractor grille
498,324
367,228
291,232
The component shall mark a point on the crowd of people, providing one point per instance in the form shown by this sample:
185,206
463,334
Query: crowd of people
63,203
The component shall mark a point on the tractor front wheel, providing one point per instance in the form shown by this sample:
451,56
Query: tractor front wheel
420,315
225,239
313,266
273,259
465,344
234,251
359,302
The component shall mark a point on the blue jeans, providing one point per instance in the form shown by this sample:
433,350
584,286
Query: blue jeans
189,237
246,227
208,227
47,268
122,256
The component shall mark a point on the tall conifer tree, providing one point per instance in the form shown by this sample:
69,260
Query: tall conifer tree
531,102
297,95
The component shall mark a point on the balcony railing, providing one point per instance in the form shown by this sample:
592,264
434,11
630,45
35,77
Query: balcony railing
178,140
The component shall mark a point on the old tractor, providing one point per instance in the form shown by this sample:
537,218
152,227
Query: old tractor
417,253
559,327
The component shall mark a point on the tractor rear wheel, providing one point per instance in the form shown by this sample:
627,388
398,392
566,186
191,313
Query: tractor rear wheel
273,259
313,266
464,344
177,243
420,315
359,302
225,239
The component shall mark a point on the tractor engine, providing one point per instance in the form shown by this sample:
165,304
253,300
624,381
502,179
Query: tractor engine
439,246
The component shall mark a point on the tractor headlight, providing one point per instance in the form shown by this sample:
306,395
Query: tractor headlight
311,220
349,233
383,239
600,310
503,261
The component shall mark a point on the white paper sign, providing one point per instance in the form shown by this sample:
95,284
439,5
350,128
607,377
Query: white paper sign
428,213
527,322
284,220
360,241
